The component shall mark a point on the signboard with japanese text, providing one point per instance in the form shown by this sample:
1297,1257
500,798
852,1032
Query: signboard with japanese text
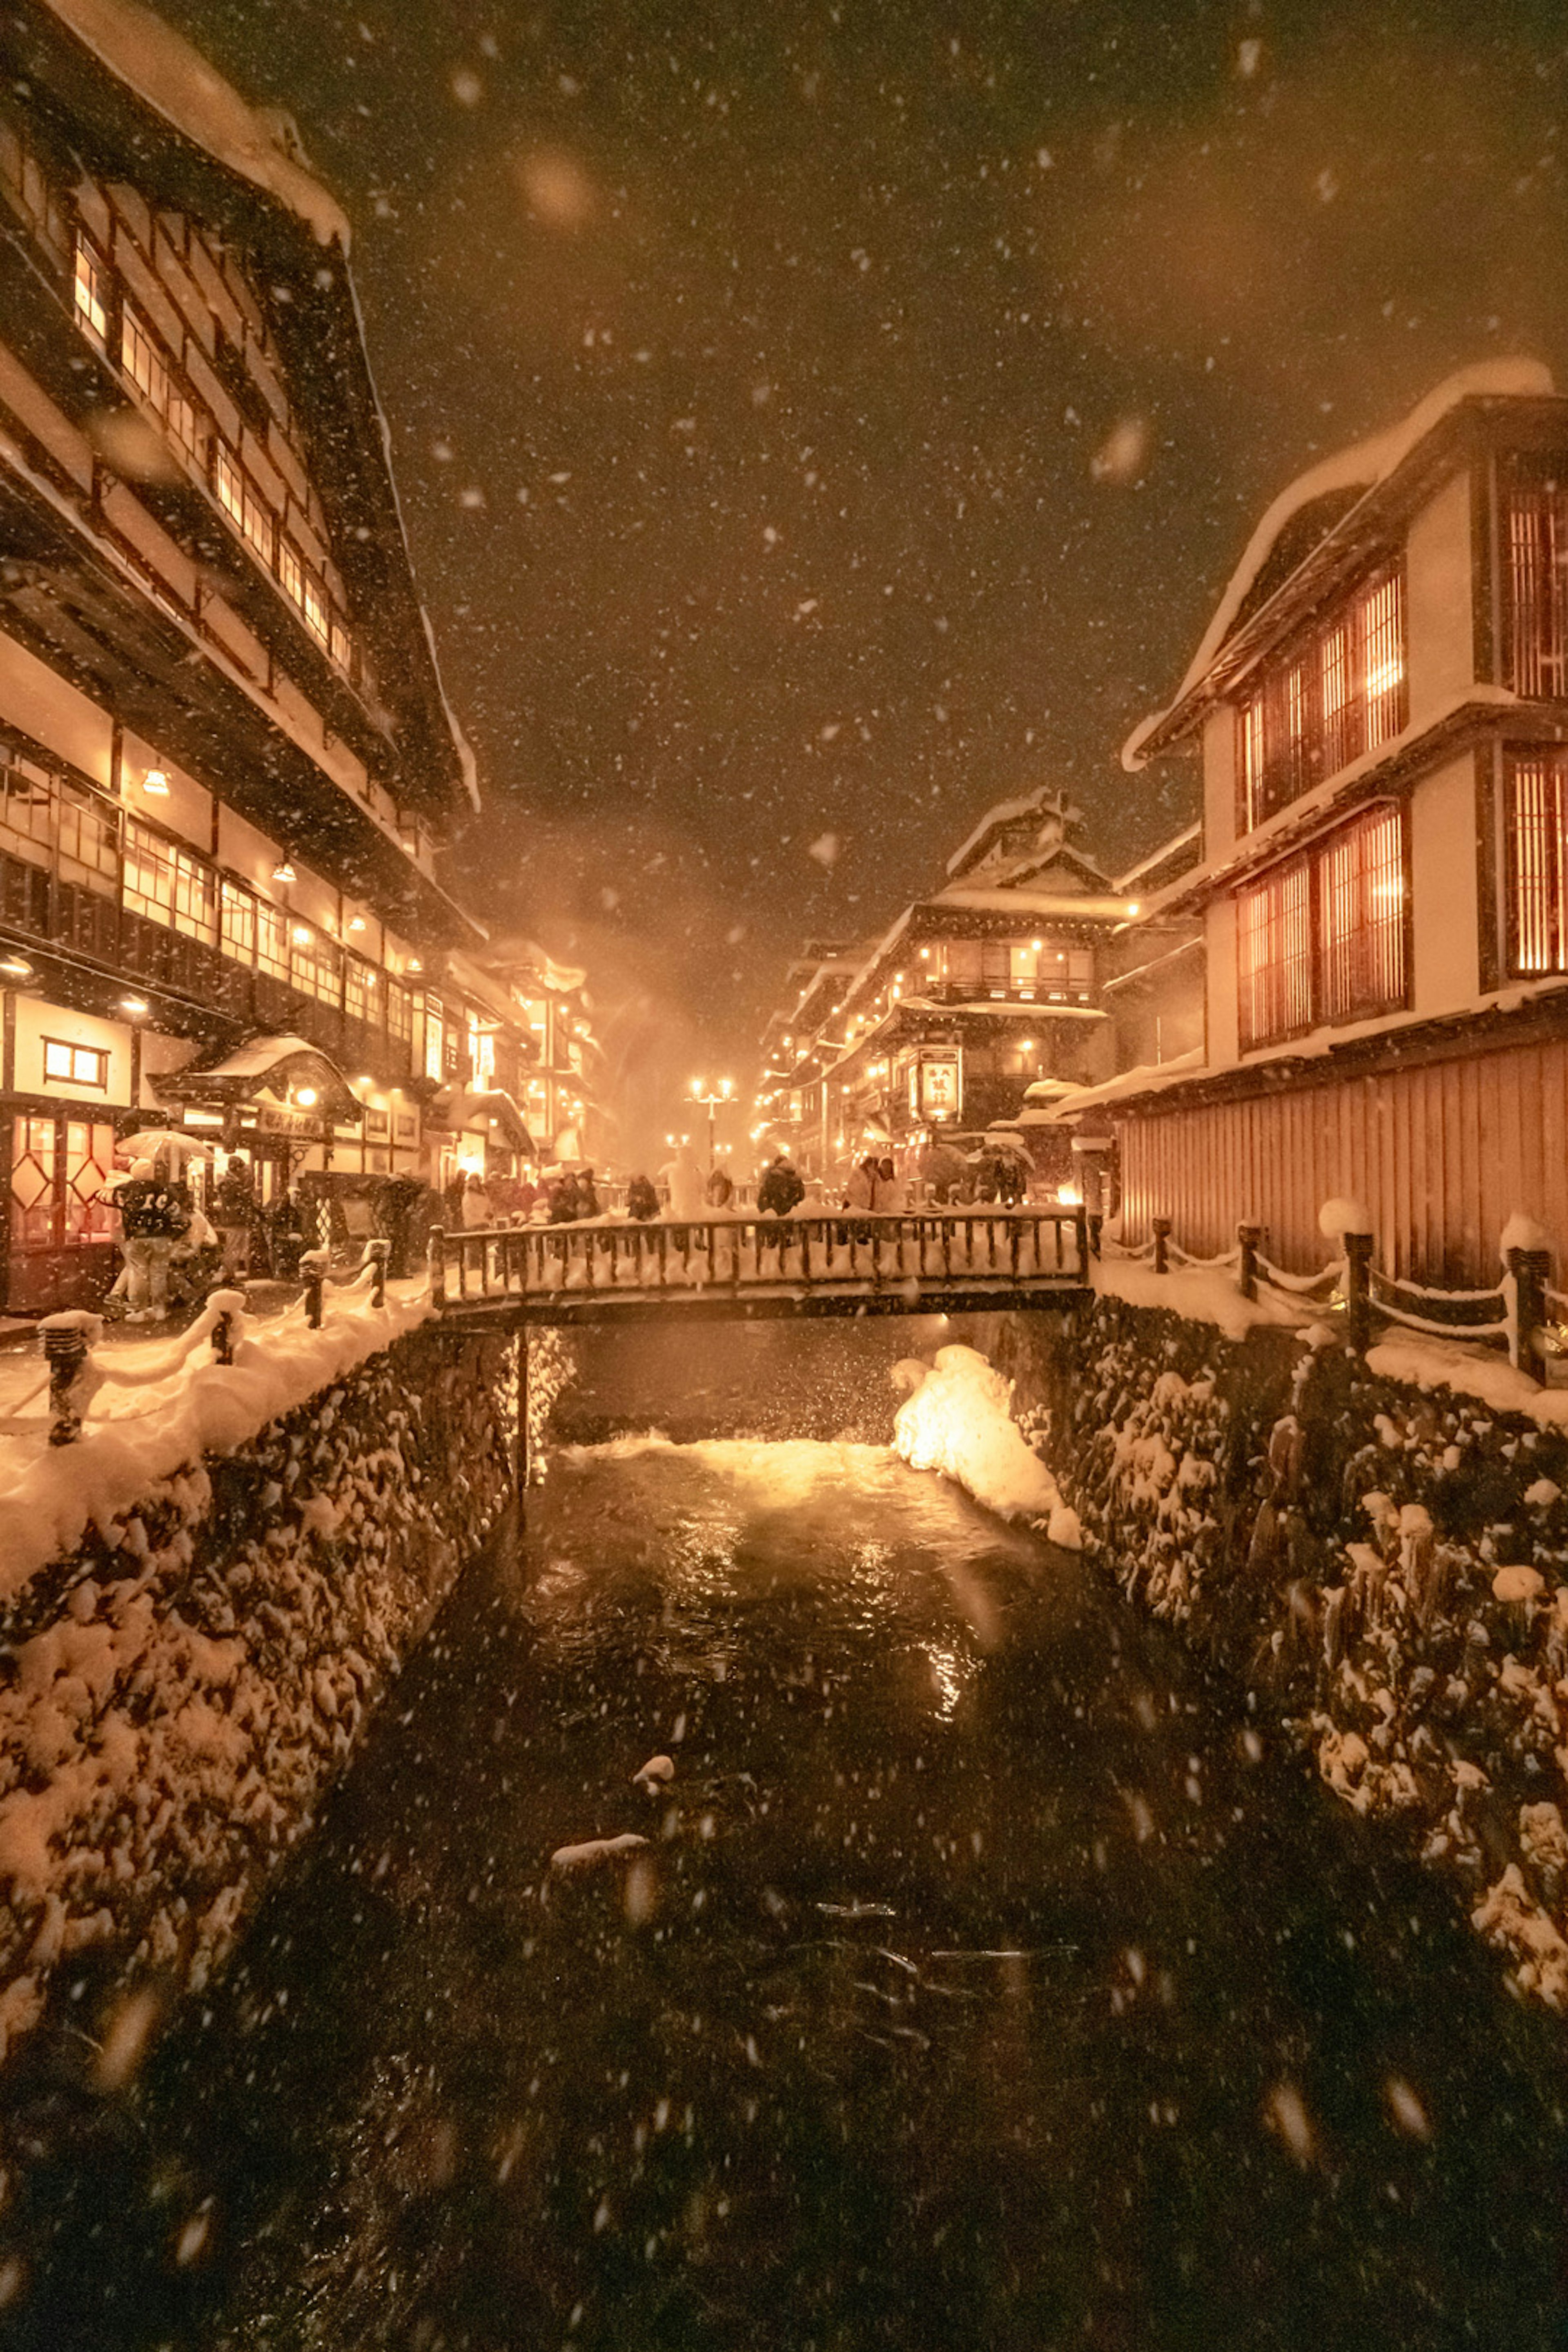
938,1086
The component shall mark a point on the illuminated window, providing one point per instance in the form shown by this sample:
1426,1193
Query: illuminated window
1536,806
26,810
1361,905
315,608
195,897
88,840
149,873
75,1065
1537,511
228,482
142,359
237,923
316,964
435,1039
1325,704
271,940
399,1012
1323,939
290,571
91,291
257,522
362,997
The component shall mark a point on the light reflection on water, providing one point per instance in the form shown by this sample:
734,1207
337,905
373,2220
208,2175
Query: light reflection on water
949,2003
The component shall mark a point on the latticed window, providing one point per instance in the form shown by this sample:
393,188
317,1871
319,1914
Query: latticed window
91,291
142,359
399,1012
194,898
237,935
1360,910
26,810
1537,825
361,993
1323,939
316,964
271,939
1536,499
1325,704
228,482
88,840
148,873
1274,948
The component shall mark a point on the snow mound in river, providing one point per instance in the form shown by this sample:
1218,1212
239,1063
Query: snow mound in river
956,1421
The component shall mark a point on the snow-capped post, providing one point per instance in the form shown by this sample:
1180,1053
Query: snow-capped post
1527,1256
376,1255
68,1341
1248,1237
1345,1221
1086,1229
313,1267
1160,1229
436,1260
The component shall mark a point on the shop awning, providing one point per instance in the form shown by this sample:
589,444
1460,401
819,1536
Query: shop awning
456,1107
290,1068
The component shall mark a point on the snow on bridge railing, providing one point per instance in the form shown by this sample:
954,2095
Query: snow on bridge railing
1519,1311
835,1251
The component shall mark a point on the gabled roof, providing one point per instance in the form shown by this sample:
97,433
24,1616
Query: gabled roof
1320,503
138,103
1054,819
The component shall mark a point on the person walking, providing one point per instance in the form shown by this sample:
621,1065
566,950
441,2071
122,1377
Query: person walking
642,1200
588,1196
718,1192
889,1194
684,1179
156,1213
476,1205
566,1201
781,1188
235,1215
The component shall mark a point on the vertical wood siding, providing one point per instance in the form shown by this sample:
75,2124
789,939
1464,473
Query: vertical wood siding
1442,1153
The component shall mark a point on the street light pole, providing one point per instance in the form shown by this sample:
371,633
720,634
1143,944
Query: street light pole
704,1095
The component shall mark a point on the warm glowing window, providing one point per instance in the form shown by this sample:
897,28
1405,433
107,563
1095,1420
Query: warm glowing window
88,840
237,919
1323,939
1361,908
271,940
194,897
1274,946
361,993
435,1039
1536,804
256,520
290,571
149,873
316,964
27,811
142,359
228,482
1537,512
75,1065
1327,704
91,291
315,607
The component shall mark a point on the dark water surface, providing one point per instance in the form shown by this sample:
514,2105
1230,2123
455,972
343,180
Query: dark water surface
984,1983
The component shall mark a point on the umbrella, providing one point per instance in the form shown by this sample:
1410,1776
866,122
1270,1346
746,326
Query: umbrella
150,1140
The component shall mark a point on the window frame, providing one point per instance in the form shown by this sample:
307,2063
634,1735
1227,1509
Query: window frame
71,1076
1552,856
1327,696
1329,978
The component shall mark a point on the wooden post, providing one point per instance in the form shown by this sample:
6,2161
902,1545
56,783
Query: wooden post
1096,1227
1358,1291
1530,1269
66,1350
1160,1228
313,1267
519,1442
378,1252
1249,1236
1082,1232
435,1257
223,1332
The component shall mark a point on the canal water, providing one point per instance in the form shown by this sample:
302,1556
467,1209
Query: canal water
984,1982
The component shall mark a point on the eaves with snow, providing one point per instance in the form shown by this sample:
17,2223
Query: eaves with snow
1325,512
109,74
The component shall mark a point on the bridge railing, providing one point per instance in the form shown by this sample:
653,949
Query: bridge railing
999,1249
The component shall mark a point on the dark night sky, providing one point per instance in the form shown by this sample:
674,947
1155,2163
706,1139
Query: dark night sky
823,419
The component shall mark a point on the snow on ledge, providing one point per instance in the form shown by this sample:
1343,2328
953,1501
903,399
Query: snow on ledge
173,78
50,1496
1360,467
1203,1294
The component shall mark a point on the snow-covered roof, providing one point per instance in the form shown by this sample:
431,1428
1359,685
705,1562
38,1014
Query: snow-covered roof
1147,1078
1076,906
1354,472
1043,802
174,80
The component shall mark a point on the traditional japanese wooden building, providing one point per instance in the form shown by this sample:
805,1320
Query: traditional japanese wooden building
228,767
1380,706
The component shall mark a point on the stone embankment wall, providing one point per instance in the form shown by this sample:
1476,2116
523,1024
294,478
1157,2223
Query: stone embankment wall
177,1695
1386,1567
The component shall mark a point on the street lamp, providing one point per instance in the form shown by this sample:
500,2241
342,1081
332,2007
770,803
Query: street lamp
706,1095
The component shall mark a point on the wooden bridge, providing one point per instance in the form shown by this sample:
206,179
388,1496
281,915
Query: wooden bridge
925,1262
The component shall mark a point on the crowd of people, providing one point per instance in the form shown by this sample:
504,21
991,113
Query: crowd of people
174,1248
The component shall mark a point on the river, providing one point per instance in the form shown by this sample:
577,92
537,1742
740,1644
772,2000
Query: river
985,1981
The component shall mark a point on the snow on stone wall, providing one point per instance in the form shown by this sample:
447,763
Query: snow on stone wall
1386,1567
176,1694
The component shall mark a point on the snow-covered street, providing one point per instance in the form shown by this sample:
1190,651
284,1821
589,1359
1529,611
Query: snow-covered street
971,1975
